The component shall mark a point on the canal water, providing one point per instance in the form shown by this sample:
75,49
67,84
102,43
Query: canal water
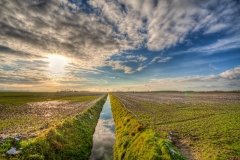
104,135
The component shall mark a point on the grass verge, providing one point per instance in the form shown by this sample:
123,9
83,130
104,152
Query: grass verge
72,139
134,141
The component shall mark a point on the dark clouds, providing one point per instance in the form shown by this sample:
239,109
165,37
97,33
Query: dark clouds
43,27
5,51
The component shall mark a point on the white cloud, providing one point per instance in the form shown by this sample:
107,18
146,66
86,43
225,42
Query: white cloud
117,65
142,58
216,28
196,82
220,45
155,59
166,23
232,73
130,57
141,68
139,58
163,60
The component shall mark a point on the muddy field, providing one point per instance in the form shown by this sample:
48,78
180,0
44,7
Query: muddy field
27,115
202,125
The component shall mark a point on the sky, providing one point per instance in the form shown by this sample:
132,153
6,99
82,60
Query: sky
119,45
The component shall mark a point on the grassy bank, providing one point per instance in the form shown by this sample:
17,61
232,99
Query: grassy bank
134,141
72,139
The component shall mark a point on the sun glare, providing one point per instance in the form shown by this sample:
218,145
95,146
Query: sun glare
57,64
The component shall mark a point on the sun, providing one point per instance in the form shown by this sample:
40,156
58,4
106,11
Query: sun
57,64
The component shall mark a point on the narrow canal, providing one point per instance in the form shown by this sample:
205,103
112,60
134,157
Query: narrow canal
104,135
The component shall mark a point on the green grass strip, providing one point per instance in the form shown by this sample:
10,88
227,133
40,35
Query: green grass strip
69,140
134,141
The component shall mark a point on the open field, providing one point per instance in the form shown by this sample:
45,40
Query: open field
69,139
202,125
28,114
135,141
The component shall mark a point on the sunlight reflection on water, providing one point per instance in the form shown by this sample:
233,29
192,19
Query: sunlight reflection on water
104,135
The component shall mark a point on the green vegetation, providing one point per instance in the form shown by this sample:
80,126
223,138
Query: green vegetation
5,146
211,131
134,141
208,124
71,139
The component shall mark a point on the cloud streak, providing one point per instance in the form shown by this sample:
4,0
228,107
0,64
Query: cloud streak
163,60
220,45
232,74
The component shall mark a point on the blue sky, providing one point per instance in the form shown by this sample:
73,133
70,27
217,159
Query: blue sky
119,45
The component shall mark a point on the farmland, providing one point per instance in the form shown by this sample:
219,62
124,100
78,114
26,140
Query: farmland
28,114
202,125
70,139
135,141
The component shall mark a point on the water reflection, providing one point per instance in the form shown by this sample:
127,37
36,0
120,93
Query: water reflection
104,135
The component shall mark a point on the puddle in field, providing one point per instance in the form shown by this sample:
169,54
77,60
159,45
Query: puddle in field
104,135
48,104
